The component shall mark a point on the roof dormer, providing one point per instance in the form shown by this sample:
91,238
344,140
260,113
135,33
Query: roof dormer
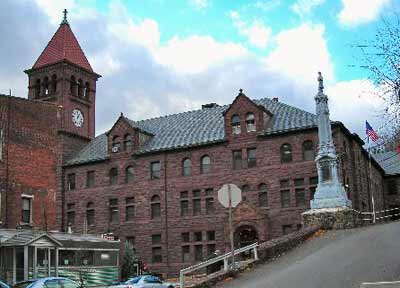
245,118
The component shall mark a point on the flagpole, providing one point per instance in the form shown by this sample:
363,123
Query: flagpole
370,186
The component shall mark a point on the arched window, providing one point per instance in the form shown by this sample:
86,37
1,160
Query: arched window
116,144
286,153
72,86
86,90
54,84
155,207
46,85
187,167
129,174
128,142
245,188
37,89
205,164
235,123
308,150
90,213
262,195
113,176
80,88
250,122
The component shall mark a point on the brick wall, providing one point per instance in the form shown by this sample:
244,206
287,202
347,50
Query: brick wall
29,160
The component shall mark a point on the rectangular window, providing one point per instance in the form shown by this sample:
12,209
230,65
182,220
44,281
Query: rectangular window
155,210
313,180
113,210
299,182
129,208
300,197
196,207
286,229
70,214
210,249
155,170
26,216
285,198
284,183
186,253
90,216
184,208
1,144
185,237
198,236
251,158
90,179
210,206
210,192
156,255
156,239
211,235
196,193
71,185
237,159
198,252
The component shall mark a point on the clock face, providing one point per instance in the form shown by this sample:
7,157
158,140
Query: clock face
77,117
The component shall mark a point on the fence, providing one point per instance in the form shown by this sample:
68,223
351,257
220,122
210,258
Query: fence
388,214
224,258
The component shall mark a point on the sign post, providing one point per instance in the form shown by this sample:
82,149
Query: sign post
230,196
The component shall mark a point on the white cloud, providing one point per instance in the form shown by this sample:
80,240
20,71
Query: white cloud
200,4
267,5
300,53
304,7
54,8
195,54
256,32
353,102
357,12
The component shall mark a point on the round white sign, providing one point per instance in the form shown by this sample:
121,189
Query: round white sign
229,191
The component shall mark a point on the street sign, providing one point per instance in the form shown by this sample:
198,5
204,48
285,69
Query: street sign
230,196
235,195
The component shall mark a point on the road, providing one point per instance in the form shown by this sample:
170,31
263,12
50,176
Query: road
343,258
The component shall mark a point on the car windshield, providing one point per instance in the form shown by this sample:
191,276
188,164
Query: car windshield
23,284
133,280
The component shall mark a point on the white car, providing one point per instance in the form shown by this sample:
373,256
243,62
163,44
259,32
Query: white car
144,281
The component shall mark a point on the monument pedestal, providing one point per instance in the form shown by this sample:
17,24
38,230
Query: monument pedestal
331,218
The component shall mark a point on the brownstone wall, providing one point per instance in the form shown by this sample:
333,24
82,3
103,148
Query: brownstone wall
29,160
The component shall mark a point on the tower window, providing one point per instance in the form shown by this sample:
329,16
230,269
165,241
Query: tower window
54,84
235,123
46,91
86,90
80,88
37,88
72,86
128,143
116,144
250,122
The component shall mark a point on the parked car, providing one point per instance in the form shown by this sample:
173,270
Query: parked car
144,281
3,284
49,282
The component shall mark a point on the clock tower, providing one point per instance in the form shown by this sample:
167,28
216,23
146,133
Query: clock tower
63,75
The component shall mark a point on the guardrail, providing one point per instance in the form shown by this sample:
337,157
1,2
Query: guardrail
377,216
224,257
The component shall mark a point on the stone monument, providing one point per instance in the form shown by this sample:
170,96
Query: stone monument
330,207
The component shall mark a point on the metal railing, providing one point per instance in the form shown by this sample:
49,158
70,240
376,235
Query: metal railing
379,215
224,257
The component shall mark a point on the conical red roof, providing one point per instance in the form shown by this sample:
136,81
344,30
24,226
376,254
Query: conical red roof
63,46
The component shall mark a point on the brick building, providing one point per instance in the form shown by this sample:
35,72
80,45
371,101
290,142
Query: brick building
154,182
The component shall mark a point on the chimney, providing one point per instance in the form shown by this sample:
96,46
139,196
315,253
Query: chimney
275,99
209,105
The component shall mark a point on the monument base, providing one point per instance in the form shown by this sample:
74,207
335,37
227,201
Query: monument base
331,218
330,195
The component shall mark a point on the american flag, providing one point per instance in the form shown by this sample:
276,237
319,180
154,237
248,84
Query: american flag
370,132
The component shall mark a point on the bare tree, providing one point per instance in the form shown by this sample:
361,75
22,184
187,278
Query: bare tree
380,57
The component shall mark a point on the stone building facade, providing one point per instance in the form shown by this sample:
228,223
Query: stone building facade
154,182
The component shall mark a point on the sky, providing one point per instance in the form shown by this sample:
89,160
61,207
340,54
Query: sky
159,57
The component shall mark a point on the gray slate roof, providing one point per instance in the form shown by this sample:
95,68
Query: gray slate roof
389,161
198,127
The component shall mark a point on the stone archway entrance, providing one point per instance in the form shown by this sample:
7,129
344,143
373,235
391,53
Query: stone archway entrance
245,235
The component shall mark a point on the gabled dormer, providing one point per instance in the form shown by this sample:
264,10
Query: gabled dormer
125,138
245,118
